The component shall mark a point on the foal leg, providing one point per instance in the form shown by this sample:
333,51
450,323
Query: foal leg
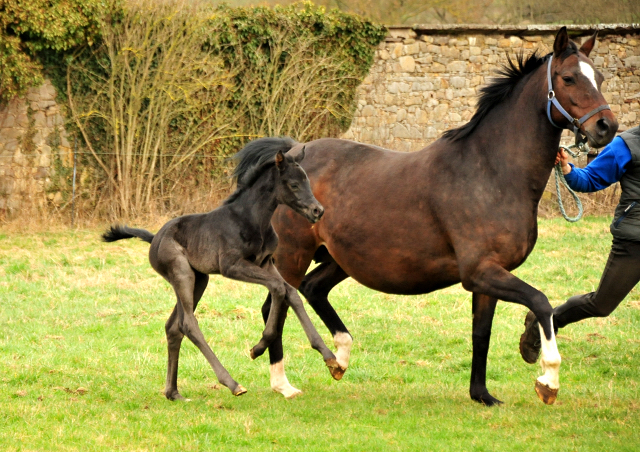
183,279
175,335
483,308
268,276
316,287
491,279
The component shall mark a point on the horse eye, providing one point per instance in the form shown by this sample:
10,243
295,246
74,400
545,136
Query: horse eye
294,186
568,80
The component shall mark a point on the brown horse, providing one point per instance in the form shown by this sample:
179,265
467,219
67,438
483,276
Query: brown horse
461,210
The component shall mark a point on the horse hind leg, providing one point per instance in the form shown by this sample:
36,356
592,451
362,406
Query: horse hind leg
483,308
183,279
278,378
316,287
174,341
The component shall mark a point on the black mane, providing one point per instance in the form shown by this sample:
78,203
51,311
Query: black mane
255,158
501,87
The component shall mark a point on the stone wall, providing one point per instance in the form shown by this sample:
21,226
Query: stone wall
423,82
425,79
29,127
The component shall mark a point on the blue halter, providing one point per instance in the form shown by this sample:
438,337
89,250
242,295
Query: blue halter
551,99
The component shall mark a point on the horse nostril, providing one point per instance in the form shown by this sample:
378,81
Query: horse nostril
318,211
603,127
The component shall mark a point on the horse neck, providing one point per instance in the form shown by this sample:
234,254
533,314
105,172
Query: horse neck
258,202
517,137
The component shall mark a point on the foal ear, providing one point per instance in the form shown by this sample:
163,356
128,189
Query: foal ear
587,47
280,160
561,43
298,158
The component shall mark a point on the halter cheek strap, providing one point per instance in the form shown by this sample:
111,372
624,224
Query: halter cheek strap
551,99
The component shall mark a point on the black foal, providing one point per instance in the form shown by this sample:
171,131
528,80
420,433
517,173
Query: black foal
235,240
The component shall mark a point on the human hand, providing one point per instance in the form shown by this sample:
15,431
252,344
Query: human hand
563,159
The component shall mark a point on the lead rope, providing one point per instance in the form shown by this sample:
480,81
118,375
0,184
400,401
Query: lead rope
582,147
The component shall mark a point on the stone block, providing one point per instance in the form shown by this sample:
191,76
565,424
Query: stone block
457,66
407,63
457,82
384,54
632,62
475,50
436,50
368,110
396,51
504,43
22,120
39,118
400,131
412,49
8,120
437,67
515,41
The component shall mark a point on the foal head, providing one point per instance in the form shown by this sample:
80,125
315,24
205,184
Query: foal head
293,188
576,84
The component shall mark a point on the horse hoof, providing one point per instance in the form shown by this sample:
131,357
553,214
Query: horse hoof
173,396
252,355
239,391
336,370
546,394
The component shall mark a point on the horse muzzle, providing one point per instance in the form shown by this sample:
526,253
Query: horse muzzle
602,131
314,212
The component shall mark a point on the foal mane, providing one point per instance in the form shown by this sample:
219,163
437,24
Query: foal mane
501,87
254,159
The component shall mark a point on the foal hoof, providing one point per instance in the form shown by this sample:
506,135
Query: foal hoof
336,370
239,391
546,394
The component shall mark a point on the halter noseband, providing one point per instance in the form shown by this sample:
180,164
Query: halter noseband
551,99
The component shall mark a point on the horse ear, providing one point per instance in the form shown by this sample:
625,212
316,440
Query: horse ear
298,158
280,160
561,43
587,47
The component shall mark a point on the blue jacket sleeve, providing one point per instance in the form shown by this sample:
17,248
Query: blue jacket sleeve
606,169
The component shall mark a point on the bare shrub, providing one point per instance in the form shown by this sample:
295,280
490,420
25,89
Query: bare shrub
148,100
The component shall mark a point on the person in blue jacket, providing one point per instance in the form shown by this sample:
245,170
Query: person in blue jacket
618,161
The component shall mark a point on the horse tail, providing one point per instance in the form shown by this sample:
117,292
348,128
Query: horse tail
119,232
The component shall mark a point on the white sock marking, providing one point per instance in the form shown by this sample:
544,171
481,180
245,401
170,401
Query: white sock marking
343,343
549,360
588,72
279,381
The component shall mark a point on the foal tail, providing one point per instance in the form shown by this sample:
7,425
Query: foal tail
119,232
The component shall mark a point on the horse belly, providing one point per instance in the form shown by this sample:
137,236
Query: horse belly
404,270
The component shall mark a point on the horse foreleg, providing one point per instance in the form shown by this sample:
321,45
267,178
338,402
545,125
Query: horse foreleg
483,308
316,287
268,276
491,279
547,385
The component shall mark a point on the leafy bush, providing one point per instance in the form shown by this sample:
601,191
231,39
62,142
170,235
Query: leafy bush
29,27
172,88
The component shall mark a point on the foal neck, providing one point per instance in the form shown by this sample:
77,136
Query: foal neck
258,202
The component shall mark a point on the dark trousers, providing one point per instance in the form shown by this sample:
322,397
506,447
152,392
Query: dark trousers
620,275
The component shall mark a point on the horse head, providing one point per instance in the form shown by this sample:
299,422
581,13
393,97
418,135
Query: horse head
574,86
293,188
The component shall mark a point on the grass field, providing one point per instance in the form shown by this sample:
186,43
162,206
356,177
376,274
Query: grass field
83,360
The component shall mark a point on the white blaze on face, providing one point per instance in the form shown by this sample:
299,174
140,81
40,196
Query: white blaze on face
549,359
279,381
588,72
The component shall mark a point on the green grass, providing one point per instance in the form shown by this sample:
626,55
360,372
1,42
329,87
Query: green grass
83,360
